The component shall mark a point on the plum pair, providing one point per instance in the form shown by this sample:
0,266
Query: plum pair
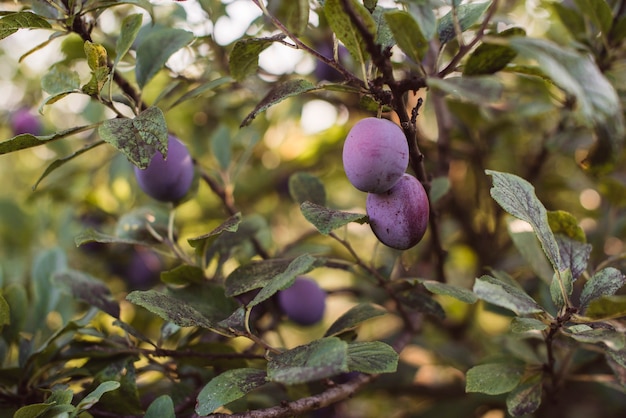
375,158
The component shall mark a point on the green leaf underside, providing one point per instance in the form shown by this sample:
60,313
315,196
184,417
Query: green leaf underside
526,397
521,325
467,14
353,317
88,289
614,340
299,266
91,235
59,80
244,58
517,196
603,283
346,31
372,357
12,22
326,220
502,294
154,51
140,138
279,93
476,89
459,293
227,387
407,34
317,360
161,407
306,187
494,378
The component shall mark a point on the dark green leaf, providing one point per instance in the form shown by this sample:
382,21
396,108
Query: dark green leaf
346,31
244,58
298,16
603,283
183,275
526,397
459,293
494,378
614,340
128,32
10,23
422,302
227,387
478,89
355,316
317,360
201,89
88,289
467,14
489,58
229,225
326,220
504,295
299,266
606,307
24,141
155,49
305,186
278,94
92,398
372,357
572,20
521,325
61,161
161,407
407,34
254,275
90,235
140,138
5,312
517,197
599,12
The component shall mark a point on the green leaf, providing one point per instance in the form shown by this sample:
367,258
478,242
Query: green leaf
32,411
10,23
227,387
91,235
155,49
574,254
603,283
161,407
244,58
526,397
353,317
346,31
279,93
372,357
307,187
439,187
517,197
299,266
140,138
407,34
494,378
614,340
422,302
572,20
201,89
254,275
529,247
459,293
477,89
522,325
221,146
25,141
384,35
606,307
45,295
502,294
599,12
88,289
182,275
5,312
317,360
229,225
489,58
467,14
96,55
61,161
94,397
170,309
578,75
297,16
326,220
564,223
59,80
128,33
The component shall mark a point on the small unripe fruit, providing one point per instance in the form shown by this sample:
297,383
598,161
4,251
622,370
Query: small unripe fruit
304,302
167,180
375,155
24,122
399,217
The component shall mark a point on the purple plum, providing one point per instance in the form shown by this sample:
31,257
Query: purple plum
304,302
399,217
144,269
25,122
375,155
168,180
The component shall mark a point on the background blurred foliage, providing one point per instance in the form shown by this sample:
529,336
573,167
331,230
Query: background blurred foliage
532,129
